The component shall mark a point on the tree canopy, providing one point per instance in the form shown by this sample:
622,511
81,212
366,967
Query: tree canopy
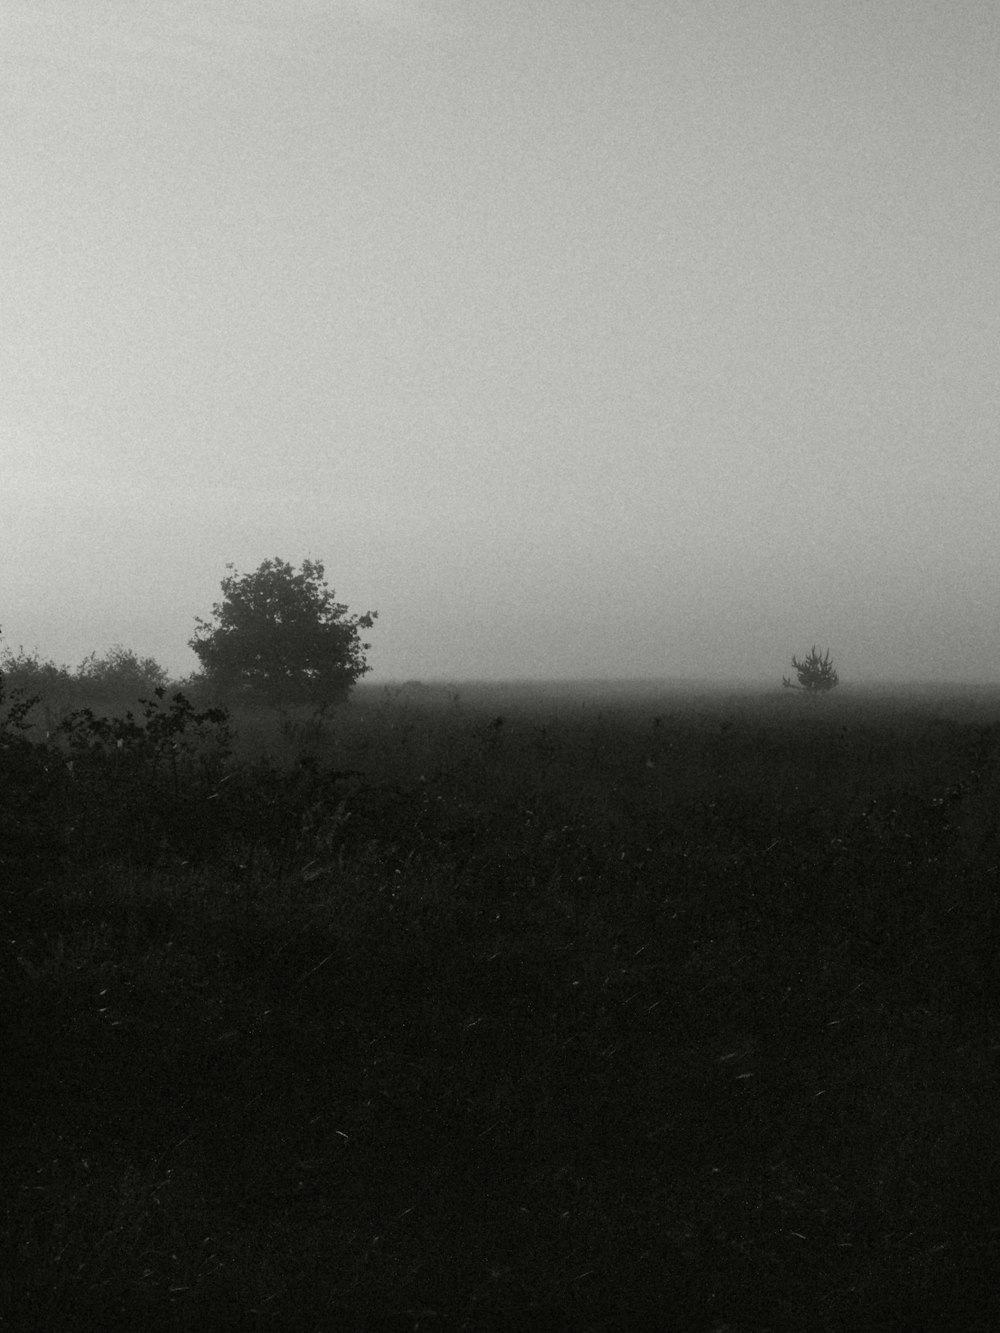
121,671
280,637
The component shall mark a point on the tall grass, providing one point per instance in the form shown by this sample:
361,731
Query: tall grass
476,1015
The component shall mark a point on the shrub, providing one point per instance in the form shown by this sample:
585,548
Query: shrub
29,793
120,673
816,673
139,787
52,687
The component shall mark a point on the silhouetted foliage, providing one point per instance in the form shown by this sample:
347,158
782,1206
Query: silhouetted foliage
120,672
115,680
816,673
139,788
154,744
23,778
13,718
281,638
26,674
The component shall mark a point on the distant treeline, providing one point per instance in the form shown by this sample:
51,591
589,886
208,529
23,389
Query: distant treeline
118,679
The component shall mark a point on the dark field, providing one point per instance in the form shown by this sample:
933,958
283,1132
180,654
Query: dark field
513,1010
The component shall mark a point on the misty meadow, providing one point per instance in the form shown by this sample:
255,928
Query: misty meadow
501,1007
645,342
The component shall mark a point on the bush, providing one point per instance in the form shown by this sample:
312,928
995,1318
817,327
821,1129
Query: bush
816,673
28,792
51,687
120,674
114,787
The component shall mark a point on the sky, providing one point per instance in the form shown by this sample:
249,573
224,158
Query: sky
578,338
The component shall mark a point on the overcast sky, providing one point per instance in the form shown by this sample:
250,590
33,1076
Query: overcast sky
579,338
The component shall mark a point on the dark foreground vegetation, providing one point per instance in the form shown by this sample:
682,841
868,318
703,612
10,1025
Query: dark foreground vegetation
471,1011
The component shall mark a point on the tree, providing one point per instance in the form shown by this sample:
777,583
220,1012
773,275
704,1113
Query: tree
120,672
816,673
30,674
281,637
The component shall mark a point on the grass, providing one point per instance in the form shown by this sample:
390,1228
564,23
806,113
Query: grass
511,1012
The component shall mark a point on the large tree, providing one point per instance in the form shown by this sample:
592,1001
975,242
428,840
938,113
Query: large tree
280,637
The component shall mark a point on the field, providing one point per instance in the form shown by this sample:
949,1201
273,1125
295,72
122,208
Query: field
507,1008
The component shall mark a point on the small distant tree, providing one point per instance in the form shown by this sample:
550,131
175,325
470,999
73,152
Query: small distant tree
120,673
816,673
28,672
281,638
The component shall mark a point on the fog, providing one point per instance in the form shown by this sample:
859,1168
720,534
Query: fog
654,339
